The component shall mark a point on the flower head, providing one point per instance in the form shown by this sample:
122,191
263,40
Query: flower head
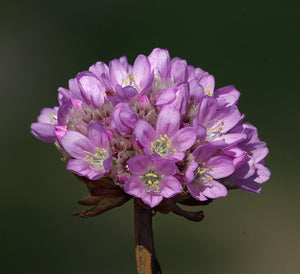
157,130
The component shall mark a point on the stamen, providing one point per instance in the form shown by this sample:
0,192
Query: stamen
52,117
97,159
161,145
151,181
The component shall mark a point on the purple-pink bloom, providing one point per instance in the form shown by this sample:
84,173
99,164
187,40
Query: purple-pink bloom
175,97
44,129
250,170
136,80
92,89
91,154
124,118
160,62
152,179
167,139
218,122
202,175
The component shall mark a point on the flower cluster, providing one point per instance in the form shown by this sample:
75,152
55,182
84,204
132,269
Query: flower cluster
157,129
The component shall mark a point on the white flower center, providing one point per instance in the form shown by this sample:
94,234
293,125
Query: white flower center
214,132
202,175
130,81
151,181
162,145
96,159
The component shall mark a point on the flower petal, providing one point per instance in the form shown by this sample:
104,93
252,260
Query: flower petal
91,88
76,143
165,167
248,185
168,121
227,96
134,187
179,71
124,118
139,165
48,116
99,69
175,156
184,139
204,152
170,186
43,132
117,72
200,130
151,199
207,109
259,151
222,166
196,191
230,117
142,73
263,174
181,100
126,93
217,190
160,62
167,96
246,170
97,134
144,133
189,174
196,91
207,81
82,168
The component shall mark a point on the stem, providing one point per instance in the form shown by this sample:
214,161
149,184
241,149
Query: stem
144,246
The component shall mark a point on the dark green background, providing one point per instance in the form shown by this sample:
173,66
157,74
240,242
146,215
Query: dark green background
251,44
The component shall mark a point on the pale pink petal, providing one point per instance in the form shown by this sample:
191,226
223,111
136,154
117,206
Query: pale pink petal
134,187
151,199
217,190
144,133
221,166
170,186
97,134
168,122
76,143
139,165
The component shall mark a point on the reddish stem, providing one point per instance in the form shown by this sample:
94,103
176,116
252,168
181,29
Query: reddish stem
144,246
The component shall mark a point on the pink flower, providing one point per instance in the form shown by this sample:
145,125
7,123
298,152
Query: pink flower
91,154
202,175
152,179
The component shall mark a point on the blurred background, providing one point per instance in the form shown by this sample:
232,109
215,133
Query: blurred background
251,44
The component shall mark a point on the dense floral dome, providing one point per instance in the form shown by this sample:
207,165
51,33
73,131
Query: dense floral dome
155,130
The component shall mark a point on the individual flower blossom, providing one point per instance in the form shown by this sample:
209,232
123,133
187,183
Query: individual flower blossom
175,97
44,129
124,118
91,88
216,122
129,83
167,139
203,173
248,157
152,179
91,154
226,96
